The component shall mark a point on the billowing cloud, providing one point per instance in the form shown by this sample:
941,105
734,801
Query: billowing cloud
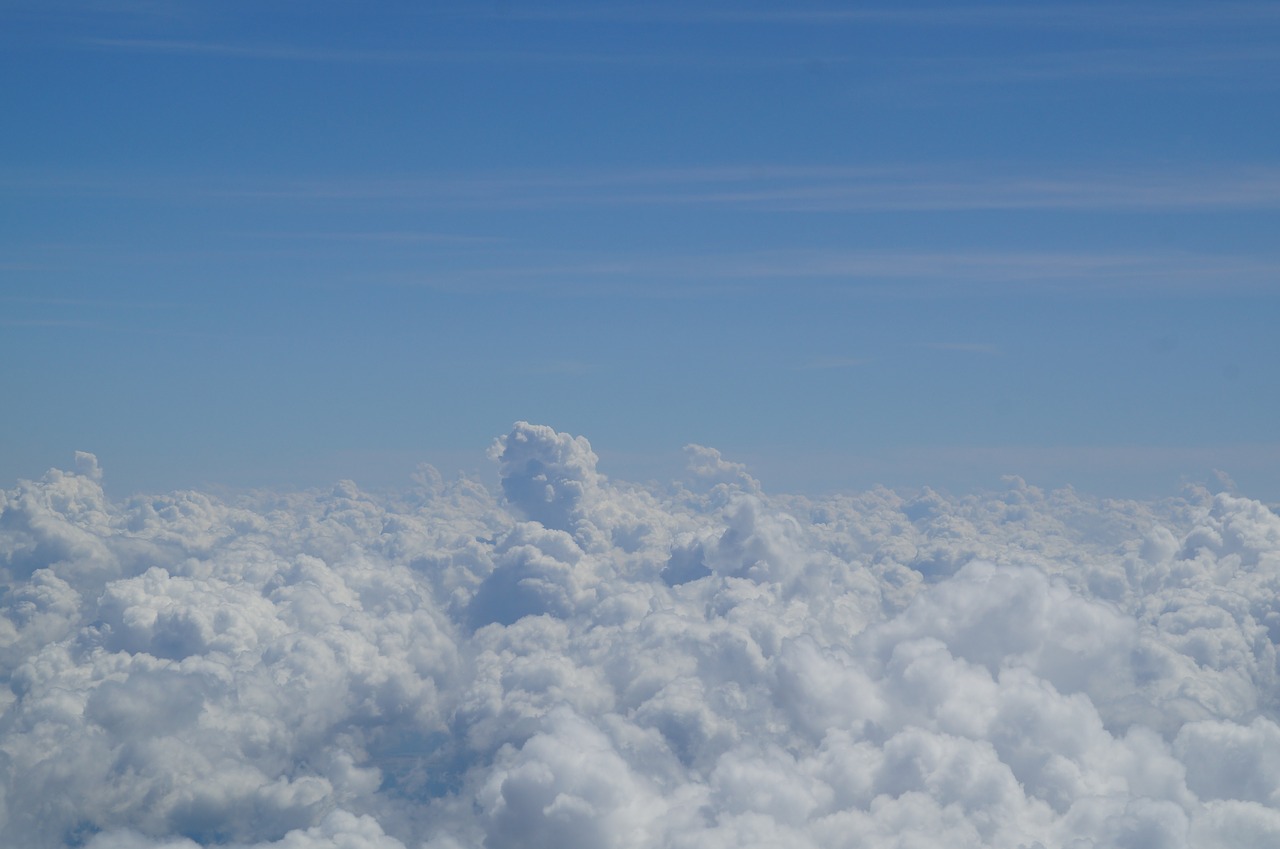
575,661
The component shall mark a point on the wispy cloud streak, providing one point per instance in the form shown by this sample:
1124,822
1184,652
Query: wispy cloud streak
393,56
1087,16
822,190
904,273
766,188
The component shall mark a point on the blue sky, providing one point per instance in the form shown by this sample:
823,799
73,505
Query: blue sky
277,244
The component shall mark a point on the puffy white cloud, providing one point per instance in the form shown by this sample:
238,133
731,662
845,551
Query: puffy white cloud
338,830
576,661
547,475
567,788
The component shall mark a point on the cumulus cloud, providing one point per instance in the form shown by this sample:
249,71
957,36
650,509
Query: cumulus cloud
546,475
574,661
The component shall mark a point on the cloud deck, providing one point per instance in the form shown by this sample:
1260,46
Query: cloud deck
581,662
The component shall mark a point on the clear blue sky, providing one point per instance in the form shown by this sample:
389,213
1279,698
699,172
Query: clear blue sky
280,243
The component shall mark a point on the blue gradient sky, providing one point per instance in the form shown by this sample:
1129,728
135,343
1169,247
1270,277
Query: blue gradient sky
284,243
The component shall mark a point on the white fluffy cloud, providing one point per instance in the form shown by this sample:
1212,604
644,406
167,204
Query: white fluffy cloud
580,662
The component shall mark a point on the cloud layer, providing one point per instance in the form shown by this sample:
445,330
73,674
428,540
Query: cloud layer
579,662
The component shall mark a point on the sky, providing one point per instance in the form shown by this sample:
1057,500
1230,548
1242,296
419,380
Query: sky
282,244
639,426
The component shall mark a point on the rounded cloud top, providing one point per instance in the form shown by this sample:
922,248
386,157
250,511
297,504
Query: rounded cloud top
546,475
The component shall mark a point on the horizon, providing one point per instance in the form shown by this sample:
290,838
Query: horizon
397,474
